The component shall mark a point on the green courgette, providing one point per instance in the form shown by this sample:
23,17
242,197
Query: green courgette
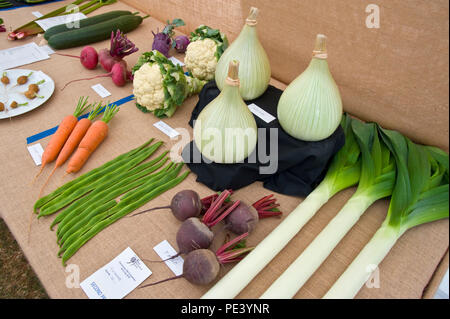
94,33
86,22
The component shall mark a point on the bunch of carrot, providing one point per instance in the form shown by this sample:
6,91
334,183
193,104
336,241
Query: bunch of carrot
72,134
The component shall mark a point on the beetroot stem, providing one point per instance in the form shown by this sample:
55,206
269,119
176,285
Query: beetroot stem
233,255
231,243
259,202
220,210
266,214
223,215
214,206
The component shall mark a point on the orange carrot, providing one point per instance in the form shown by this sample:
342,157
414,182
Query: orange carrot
74,139
94,136
62,133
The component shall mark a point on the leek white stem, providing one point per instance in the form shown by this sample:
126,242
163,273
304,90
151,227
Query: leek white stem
296,275
352,280
247,269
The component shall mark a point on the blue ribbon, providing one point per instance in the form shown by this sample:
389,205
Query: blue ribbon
51,131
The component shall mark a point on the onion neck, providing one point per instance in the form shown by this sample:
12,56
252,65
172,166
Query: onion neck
231,94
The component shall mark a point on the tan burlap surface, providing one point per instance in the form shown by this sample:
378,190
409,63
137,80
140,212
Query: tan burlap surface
393,94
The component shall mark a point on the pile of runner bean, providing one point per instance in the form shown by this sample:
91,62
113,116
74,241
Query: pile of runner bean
88,204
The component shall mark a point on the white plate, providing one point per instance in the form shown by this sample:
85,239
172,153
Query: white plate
11,92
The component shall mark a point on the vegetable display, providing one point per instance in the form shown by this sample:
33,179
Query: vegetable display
163,41
378,173
95,33
204,51
89,203
159,86
344,172
201,266
225,130
420,195
310,108
255,69
32,28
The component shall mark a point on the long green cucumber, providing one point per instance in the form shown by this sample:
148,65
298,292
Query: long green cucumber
94,33
86,22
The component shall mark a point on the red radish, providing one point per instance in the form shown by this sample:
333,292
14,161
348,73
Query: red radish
106,60
195,233
201,267
118,74
245,218
88,57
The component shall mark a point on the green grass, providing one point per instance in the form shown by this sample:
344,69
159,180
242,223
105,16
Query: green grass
17,279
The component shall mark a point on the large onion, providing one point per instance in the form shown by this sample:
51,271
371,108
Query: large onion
310,108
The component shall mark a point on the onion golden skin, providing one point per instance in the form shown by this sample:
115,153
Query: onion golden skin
254,72
228,115
310,108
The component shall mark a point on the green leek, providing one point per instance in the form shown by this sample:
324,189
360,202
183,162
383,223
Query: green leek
344,172
420,196
377,180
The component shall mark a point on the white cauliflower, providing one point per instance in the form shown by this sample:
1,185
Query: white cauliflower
159,86
204,51
148,86
201,59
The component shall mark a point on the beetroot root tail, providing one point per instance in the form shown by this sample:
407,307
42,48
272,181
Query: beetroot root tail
161,281
149,210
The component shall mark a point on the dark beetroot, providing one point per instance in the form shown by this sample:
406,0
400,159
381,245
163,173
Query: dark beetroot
195,233
245,218
184,204
202,266
242,220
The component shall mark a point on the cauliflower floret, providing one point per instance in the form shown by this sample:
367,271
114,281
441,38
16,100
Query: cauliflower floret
148,86
200,59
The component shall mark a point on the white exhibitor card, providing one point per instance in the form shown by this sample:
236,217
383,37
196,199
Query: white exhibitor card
118,278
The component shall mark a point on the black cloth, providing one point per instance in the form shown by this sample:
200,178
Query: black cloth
301,165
